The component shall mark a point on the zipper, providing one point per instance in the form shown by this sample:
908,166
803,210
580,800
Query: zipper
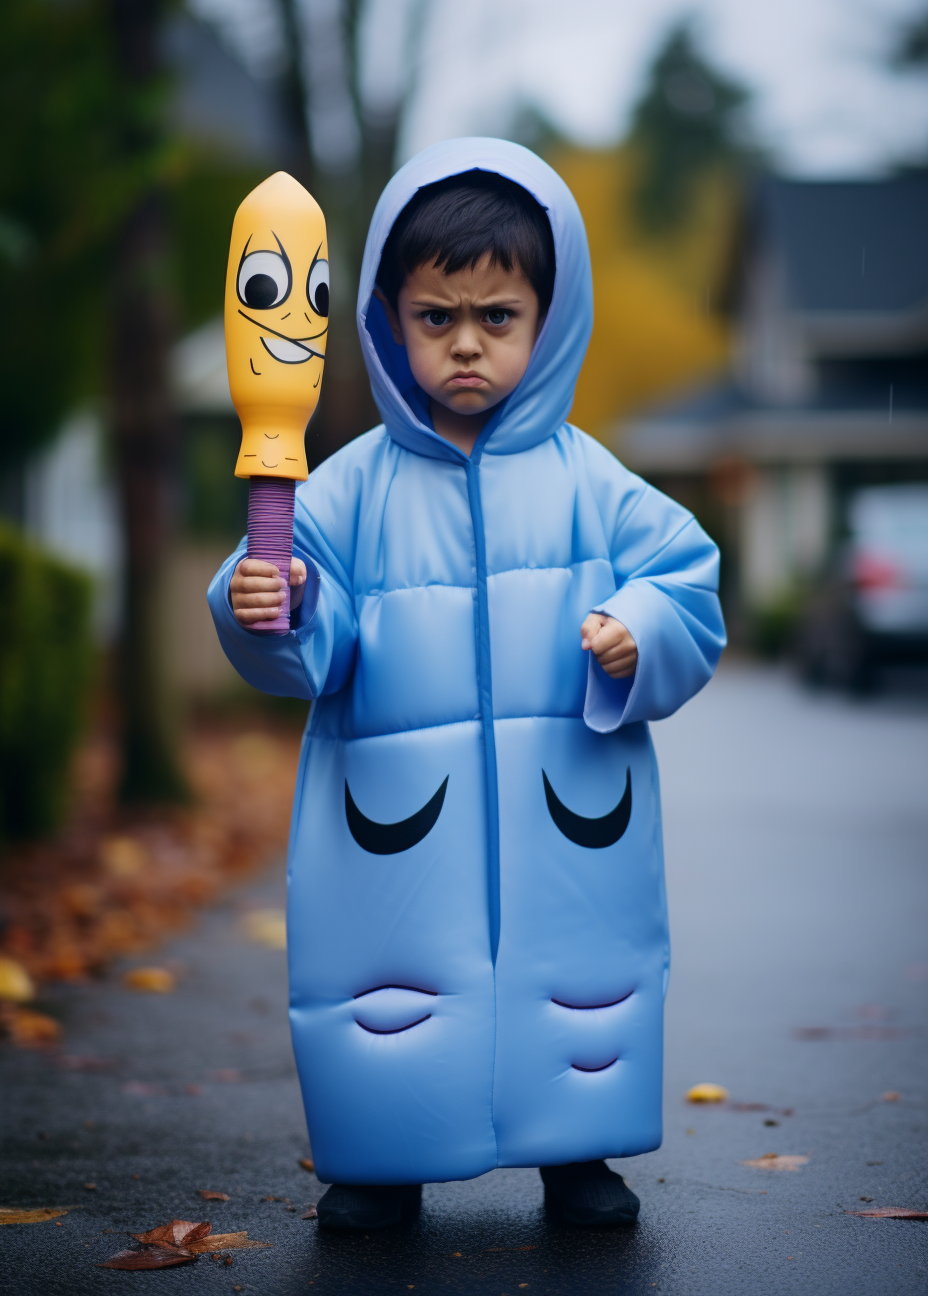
485,700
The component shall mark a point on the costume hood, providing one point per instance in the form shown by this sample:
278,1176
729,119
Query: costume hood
541,402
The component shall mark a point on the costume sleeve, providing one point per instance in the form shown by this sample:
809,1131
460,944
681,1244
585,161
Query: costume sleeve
667,573
317,656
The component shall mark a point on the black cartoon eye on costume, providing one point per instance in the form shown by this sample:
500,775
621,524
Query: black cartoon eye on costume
317,286
593,833
391,838
264,278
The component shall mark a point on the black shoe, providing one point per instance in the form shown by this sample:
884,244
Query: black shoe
590,1194
367,1206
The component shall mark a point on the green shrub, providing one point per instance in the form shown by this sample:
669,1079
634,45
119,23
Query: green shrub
45,665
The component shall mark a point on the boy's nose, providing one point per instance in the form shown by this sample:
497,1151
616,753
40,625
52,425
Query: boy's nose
466,345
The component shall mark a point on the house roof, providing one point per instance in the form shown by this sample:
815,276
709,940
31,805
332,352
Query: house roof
849,246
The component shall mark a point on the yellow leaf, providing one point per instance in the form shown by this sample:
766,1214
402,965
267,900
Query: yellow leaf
15,981
152,980
707,1093
28,1029
122,856
36,1215
266,927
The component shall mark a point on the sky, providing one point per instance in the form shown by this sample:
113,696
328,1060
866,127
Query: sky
825,102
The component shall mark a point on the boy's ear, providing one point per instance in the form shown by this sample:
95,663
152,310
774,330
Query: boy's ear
392,318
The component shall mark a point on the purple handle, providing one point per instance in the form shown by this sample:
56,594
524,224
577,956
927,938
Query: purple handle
270,537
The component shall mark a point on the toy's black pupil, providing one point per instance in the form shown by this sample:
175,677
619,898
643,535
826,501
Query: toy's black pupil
260,291
321,302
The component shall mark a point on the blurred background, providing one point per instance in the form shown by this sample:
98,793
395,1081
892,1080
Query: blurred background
754,181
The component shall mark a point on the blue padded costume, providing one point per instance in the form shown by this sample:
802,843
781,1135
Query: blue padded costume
477,925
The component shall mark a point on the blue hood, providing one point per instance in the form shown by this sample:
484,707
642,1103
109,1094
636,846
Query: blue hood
541,402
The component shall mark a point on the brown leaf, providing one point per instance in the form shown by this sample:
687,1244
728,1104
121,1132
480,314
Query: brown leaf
148,1257
306,1163
208,1195
28,1029
177,1233
29,1215
151,980
310,1214
225,1242
892,1212
771,1161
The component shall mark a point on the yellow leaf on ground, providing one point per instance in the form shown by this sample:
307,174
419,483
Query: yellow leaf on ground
123,857
15,981
771,1161
266,927
28,1029
306,1163
35,1215
706,1093
152,980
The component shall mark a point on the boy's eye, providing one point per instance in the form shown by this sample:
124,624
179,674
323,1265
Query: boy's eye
437,318
497,316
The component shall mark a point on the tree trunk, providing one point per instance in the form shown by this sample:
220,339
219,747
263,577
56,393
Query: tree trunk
143,427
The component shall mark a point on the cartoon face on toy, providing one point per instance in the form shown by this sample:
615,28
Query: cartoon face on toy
276,323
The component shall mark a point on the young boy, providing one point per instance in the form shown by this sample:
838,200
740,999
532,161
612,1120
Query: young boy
487,608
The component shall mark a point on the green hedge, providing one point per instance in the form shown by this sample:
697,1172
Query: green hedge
45,669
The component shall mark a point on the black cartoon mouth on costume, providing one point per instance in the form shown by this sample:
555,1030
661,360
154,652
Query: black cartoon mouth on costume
392,838
592,833
562,1003
394,1030
589,1070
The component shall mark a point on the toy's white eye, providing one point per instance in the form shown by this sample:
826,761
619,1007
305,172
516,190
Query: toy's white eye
317,287
264,280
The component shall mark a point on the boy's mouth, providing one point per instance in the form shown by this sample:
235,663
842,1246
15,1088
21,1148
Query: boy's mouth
467,378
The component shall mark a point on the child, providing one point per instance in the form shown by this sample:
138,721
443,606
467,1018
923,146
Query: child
487,608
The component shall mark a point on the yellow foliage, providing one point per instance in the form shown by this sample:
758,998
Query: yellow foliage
15,981
654,329
150,980
707,1093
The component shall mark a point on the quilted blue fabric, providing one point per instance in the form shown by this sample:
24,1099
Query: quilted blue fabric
477,924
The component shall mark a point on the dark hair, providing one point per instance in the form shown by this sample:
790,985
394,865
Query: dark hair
456,222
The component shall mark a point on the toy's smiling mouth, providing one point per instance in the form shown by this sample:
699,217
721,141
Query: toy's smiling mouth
286,349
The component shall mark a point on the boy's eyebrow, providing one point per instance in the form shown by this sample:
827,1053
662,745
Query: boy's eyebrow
486,302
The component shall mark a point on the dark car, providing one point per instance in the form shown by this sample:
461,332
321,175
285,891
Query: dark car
874,610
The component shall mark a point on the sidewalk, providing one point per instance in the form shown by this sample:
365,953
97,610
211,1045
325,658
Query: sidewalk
795,834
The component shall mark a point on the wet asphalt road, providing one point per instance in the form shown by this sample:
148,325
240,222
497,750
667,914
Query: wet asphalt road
798,880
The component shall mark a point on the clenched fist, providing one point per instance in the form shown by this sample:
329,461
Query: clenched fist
257,588
610,642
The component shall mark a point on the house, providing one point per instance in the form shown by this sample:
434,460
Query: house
827,385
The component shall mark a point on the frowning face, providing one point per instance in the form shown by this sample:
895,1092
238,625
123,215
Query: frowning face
276,324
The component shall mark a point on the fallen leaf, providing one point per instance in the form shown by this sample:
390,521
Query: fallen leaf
225,1242
306,1163
310,1214
772,1161
891,1096
90,1187
892,1212
150,980
208,1195
148,1257
28,1029
193,1090
122,857
707,1093
29,1214
266,927
15,981
226,1075
177,1233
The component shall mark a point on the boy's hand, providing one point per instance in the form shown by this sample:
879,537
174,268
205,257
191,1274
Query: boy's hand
257,586
614,648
